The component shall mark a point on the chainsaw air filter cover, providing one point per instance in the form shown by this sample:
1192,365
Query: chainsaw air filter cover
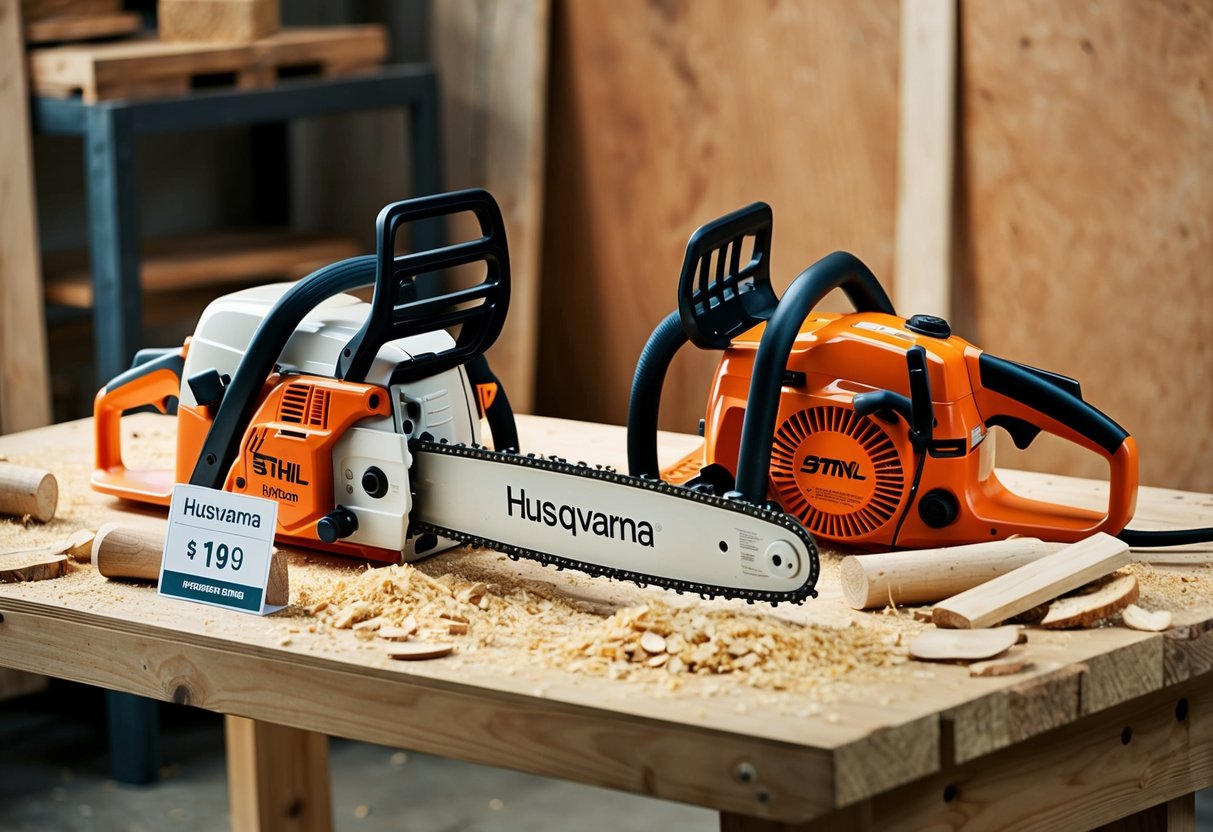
837,471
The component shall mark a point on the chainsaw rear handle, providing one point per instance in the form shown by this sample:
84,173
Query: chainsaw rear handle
1024,401
153,381
840,270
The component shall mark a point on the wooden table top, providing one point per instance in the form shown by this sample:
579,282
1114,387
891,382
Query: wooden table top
806,756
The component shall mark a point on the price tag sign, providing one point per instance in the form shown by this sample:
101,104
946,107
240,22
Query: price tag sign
218,548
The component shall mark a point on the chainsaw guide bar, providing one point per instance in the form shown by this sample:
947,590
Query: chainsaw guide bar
748,520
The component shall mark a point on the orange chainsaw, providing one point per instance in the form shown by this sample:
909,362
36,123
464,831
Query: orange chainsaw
872,429
362,421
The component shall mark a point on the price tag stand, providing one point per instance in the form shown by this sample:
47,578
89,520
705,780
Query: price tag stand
218,548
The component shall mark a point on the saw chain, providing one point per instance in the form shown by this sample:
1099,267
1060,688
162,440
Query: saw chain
556,464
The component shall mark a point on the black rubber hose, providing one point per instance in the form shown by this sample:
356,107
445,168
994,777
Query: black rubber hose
645,401
840,270
1167,537
240,399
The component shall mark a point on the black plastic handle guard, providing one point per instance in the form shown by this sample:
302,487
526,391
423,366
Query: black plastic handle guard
396,311
718,304
840,270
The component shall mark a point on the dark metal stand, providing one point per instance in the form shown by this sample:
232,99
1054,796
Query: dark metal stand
109,128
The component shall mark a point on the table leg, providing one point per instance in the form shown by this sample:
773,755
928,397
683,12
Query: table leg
277,777
113,221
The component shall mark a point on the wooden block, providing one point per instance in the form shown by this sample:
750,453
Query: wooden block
82,27
925,576
230,21
31,491
1026,587
122,551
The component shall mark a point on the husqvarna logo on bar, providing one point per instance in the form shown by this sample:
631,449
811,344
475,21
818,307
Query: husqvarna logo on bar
575,520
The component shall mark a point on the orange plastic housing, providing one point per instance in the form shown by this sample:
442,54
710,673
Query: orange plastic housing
285,455
848,477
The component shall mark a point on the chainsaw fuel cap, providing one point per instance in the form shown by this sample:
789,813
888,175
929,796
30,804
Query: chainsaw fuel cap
930,325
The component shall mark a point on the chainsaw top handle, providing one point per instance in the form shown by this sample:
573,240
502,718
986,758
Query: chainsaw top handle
840,270
395,313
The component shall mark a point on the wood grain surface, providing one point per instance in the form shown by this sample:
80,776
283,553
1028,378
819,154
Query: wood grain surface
1088,167
663,117
24,385
493,60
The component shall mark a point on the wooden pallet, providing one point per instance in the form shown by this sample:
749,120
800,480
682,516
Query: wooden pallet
173,265
152,68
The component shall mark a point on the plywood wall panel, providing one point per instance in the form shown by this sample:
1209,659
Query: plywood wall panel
1088,211
664,115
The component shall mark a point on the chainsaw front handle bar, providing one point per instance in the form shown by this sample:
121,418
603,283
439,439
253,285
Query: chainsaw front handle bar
240,398
840,270
396,312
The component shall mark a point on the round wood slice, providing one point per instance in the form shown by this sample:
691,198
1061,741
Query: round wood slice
963,645
417,650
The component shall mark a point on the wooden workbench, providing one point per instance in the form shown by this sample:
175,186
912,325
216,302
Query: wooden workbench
1107,723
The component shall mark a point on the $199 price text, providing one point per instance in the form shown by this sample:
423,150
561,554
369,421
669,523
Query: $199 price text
219,555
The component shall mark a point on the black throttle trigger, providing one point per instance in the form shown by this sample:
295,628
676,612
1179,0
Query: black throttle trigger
1023,433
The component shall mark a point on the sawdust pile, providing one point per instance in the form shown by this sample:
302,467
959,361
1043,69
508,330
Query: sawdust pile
655,641
765,652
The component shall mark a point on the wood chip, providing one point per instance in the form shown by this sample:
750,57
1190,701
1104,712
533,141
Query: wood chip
80,545
417,650
458,628
923,614
652,642
1092,607
402,633
352,614
1000,667
963,645
472,594
1136,618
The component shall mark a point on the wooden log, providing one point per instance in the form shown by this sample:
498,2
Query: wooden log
925,576
121,551
1034,583
29,491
